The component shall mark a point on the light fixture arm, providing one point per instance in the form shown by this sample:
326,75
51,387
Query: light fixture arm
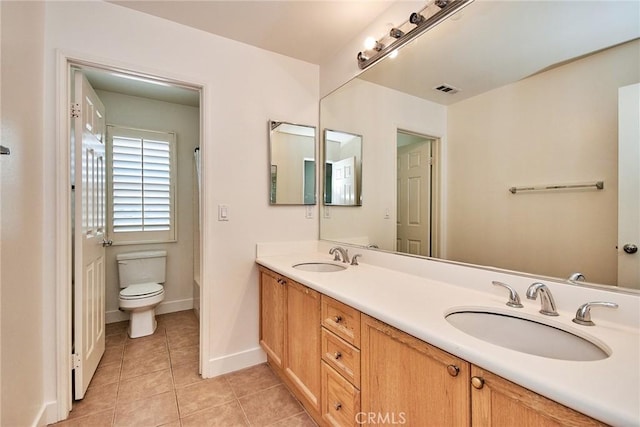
365,61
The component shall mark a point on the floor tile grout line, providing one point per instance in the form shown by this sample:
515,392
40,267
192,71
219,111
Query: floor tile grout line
244,412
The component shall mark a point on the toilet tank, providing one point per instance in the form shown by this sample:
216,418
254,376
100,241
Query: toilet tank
141,267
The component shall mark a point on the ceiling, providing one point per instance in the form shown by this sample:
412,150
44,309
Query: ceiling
309,30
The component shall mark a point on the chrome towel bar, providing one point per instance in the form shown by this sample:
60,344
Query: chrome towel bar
599,185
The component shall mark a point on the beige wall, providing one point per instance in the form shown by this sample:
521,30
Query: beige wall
556,127
243,87
23,276
144,113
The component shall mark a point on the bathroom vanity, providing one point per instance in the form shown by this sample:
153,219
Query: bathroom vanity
370,344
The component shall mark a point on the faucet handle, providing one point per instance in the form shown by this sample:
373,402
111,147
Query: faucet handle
336,254
514,298
583,315
354,259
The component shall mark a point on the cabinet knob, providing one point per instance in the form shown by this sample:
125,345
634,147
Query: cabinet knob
282,281
337,355
453,370
337,319
337,406
477,382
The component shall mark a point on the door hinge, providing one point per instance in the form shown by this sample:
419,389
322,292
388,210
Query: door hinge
75,111
75,358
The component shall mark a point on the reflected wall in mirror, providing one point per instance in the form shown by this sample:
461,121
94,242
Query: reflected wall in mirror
537,105
292,156
342,168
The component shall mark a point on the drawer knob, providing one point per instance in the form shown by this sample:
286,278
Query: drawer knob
477,382
453,370
337,355
282,281
337,319
337,406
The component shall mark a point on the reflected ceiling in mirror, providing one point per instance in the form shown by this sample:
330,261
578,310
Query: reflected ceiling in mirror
537,104
292,164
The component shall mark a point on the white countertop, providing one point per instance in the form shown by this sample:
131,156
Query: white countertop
608,389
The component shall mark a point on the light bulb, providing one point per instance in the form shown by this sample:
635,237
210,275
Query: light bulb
370,43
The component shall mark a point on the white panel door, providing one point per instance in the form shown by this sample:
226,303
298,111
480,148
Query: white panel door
629,186
414,199
343,182
89,233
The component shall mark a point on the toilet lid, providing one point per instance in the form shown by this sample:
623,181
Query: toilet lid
141,290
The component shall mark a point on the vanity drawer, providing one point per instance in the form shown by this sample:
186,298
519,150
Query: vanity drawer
342,320
341,356
340,399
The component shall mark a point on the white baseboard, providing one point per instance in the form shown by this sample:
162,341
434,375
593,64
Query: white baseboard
164,308
234,362
48,415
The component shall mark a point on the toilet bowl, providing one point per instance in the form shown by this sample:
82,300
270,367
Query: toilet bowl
140,300
141,276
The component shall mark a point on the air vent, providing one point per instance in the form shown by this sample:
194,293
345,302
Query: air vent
447,89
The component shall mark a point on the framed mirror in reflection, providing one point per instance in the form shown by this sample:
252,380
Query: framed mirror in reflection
342,168
292,157
539,90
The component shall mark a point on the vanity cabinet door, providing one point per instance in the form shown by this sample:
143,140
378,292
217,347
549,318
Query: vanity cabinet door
273,292
407,381
498,402
302,361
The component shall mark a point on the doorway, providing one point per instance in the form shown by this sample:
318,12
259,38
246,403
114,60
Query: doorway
138,87
416,193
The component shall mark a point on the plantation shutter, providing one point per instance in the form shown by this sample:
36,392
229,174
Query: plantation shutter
142,184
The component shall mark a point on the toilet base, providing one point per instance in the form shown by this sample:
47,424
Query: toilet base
142,323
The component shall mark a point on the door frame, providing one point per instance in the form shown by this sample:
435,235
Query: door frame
64,256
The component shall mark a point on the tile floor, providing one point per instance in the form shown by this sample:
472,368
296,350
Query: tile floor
154,381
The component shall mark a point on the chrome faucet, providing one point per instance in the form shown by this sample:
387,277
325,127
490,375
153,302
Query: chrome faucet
576,276
546,299
339,254
514,299
583,315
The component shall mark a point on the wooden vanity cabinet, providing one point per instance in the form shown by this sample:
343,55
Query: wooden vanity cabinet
302,345
407,381
273,292
496,401
290,335
340,363
349,369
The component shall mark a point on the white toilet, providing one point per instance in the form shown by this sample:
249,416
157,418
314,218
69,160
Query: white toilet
141,276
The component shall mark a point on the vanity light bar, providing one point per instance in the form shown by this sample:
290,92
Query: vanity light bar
368,58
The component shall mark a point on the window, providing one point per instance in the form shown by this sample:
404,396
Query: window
141,186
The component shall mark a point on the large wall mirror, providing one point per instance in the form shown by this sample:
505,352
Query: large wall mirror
533,92
292,161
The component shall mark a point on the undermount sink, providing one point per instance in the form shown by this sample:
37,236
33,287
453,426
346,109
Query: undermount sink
526,336
319,267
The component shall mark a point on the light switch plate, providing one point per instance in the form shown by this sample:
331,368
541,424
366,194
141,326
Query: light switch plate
308,213
223,213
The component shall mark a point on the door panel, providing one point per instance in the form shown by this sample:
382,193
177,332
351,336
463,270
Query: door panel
343,185
414,198
89,228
